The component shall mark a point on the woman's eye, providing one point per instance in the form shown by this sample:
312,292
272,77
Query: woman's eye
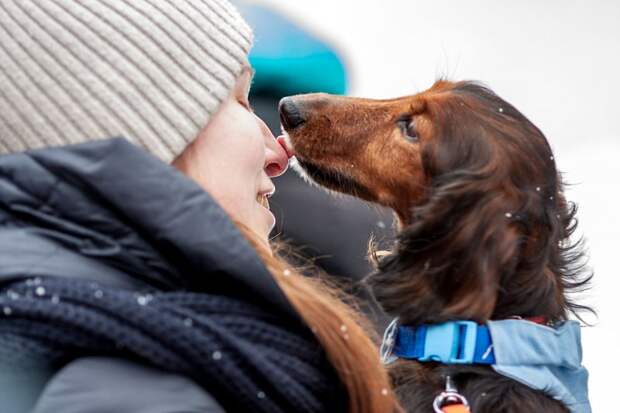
408,129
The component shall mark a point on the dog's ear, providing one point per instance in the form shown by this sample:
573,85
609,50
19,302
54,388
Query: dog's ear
490,237
449,263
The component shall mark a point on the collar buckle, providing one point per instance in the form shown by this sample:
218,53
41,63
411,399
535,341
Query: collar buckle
453,342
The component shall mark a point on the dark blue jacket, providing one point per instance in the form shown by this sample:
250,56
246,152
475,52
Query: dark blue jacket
106,211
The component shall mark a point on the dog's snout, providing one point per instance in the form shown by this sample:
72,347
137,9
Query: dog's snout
290,113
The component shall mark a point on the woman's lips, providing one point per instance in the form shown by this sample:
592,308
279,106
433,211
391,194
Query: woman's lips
264,203
286,144
262,200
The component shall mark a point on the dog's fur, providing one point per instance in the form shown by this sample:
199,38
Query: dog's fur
483,225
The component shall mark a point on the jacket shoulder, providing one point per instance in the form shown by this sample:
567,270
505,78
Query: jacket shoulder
104,384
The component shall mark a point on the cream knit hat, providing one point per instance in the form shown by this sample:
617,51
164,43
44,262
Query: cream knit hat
152,71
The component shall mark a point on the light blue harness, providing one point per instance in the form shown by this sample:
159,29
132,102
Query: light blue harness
541,357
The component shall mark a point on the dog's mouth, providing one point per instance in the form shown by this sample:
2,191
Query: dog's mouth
327,177
332,179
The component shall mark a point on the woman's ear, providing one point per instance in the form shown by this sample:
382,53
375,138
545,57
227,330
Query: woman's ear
449,263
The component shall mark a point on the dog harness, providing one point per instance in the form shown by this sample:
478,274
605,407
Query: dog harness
541,356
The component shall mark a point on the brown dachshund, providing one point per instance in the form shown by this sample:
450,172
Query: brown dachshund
483,225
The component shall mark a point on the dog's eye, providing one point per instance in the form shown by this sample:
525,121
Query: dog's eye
408,128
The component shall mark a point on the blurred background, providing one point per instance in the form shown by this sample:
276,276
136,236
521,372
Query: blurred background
557,61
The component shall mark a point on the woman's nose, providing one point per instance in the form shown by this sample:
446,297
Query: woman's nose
276,159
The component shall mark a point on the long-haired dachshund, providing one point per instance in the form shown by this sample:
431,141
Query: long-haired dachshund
483,224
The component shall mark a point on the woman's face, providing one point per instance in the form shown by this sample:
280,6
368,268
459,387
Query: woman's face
234,157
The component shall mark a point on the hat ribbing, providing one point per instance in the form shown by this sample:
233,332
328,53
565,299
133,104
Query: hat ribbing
151,71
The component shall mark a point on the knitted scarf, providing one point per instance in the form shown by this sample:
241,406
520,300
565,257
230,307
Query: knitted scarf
246,357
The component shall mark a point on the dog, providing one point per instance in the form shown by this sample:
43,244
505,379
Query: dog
483,226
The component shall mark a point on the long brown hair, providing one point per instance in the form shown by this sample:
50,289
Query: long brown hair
343,332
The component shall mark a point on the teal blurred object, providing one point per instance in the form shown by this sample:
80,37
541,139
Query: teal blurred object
289,60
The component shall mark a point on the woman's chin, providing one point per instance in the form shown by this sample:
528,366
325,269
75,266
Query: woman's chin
270,221
264,224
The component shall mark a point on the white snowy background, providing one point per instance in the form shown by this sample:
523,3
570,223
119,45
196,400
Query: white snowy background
558,61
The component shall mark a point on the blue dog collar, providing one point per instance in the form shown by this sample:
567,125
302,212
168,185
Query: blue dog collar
541,357
453,342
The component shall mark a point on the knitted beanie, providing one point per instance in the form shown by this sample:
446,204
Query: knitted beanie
151,71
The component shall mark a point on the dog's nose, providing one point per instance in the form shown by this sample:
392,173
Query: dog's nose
290,115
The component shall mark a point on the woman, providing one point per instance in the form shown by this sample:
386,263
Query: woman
127,284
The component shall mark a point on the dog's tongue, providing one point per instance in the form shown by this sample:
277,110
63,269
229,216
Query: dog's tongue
283,141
